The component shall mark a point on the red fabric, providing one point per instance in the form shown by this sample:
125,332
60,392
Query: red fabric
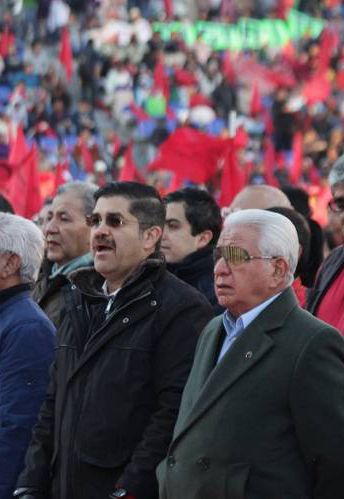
296,169
329,41
168,4
331,308
129,170
284,7
7,40
233,180
24,187
183,77
300,292
19,149
256,100
192,155
61,174
199,100
317,89
160,79
138,112
66,55
228,68
86,156
269,163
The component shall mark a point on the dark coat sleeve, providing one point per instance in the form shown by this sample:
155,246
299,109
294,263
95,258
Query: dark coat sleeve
26,352
39,455
317,402
172,362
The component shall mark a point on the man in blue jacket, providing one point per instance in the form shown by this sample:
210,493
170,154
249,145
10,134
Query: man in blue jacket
26,344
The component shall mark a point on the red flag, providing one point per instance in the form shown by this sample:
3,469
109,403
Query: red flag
228,68
256,100
138,112
192,155
129,170
19,148
233,179
7,40
62,174
317,89
284,7
329,41
24,189
269,163
161,83
168,4
66,55
296,169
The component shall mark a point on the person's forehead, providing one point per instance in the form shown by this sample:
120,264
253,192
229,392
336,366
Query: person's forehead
113,204
238,236
68,202
176,210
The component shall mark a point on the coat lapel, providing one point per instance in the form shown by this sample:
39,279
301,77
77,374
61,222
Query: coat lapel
248,350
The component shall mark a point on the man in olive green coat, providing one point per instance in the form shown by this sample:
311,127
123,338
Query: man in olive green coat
262,415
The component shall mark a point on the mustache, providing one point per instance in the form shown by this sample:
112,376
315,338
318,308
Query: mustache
101,239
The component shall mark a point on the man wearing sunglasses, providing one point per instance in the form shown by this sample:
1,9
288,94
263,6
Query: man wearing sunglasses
125,350
326,300
262,413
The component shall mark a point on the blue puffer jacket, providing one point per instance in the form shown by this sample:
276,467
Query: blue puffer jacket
27,341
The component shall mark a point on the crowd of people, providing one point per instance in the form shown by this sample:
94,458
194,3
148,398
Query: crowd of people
167,332
127,284
128,85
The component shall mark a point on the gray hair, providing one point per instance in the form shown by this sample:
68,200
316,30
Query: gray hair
336,175
277,235
83,190
21,237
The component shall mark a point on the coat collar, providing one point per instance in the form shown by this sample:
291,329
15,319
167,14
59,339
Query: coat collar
256,342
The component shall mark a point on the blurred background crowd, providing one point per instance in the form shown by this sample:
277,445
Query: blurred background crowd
103,90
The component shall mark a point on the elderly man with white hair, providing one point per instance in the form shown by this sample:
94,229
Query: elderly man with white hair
26,344
262,414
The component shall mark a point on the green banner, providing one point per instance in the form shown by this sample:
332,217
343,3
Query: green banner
247,33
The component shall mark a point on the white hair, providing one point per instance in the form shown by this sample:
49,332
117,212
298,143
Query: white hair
277,235
21,237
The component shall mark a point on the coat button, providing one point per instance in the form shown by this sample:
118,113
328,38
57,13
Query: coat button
73,286
203,463
154,303
125,320
171,461
248,355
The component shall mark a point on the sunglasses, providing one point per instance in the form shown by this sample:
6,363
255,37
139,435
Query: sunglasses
111,219
336,205
233,255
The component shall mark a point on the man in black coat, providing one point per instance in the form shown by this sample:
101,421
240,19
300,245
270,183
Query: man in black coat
125,350
193,225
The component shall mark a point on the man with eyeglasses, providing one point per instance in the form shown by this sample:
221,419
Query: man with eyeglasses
125,350
326,300
262,413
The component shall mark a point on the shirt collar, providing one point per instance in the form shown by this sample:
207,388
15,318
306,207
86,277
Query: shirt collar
233,325
106,291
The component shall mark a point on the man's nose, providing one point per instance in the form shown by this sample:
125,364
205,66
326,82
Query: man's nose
51,227
221,267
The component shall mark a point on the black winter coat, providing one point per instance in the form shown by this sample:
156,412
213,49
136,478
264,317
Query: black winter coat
116,385
197,269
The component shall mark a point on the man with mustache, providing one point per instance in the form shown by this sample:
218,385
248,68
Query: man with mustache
125,350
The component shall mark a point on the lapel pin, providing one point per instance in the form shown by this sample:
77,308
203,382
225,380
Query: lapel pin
248,355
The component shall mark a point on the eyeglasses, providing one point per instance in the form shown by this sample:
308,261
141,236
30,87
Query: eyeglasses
111,219
336,204
233,255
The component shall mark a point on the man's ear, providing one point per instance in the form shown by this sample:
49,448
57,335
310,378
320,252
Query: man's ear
12,266
281,269
204,238
151,236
